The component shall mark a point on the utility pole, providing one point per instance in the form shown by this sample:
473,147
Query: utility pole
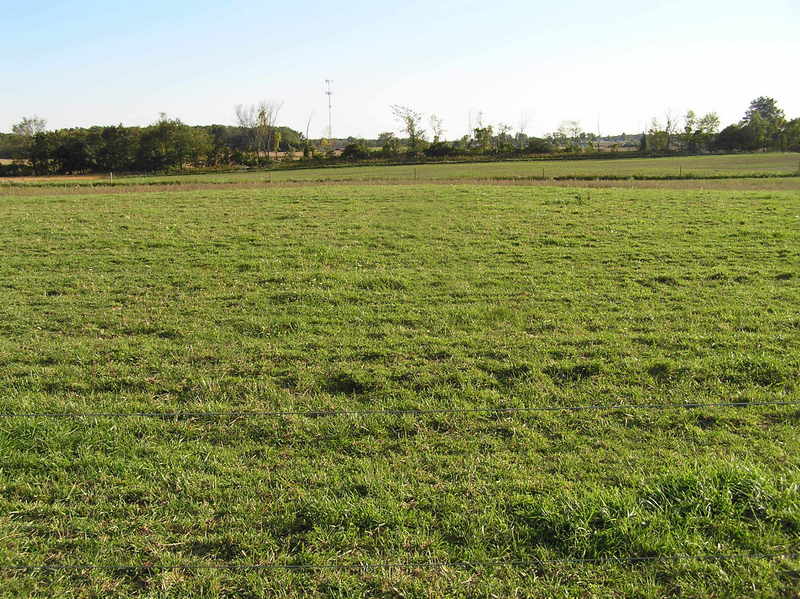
329,93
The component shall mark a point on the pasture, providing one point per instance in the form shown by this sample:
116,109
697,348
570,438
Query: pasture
743,165
218,308
764,165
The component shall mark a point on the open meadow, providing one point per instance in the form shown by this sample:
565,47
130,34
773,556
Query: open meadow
349,391
772,166
765,164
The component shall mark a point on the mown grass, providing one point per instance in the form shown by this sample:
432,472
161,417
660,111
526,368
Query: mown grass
778,183
669,168
765,164
410,297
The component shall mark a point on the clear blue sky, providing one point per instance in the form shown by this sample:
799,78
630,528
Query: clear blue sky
624,61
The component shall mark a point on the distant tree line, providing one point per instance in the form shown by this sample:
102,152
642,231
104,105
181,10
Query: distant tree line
167,145
763,128
257,140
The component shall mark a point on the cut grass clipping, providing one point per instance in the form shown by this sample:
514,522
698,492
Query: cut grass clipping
400,298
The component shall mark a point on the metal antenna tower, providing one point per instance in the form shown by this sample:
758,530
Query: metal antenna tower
329,93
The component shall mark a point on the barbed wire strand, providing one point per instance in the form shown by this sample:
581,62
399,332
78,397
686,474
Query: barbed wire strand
407,565
395,411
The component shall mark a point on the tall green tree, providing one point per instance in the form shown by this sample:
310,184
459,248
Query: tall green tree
767,108
40,153
170,144
411,121
766,121
484,138
791,136
698,132
390,145
72,151
119,146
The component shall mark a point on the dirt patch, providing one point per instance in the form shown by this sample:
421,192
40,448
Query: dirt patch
50,178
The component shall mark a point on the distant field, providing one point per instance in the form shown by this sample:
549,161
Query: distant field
699,166
401,297
757,165
778,183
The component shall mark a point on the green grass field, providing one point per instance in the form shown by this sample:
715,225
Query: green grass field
737,165
695,166
421,297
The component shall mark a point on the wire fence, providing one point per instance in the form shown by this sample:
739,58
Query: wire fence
411,565
395,411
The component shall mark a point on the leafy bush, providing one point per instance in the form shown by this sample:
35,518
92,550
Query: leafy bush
439,149
355,151
539,146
